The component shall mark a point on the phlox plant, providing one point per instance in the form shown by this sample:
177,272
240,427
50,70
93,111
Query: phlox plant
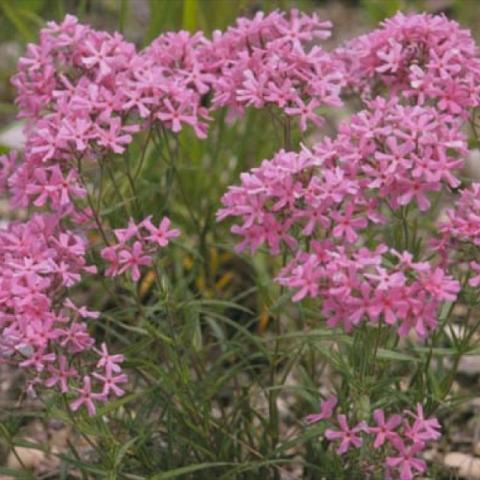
321,338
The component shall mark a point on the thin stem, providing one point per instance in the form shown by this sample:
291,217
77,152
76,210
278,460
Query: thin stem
118,191
287,133
133,188
91,204
142,157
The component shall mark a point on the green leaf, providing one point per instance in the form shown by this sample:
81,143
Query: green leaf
119,402
84,466
11,473
13,14
392,355
122,15
20,442
218,303
123,450
189,15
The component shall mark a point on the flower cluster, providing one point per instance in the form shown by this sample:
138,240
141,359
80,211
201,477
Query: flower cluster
293,193
460,233
398,440
168,82
388,154
42,331
388,151
68,89
370,286
266,61
401,153
136,245
422,57
85,92
108,380
463,224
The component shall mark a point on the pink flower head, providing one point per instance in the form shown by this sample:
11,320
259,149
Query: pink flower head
111,383
347,436
385,430
423,429
86,397
160,235
422,57
107,361
406,462
132,259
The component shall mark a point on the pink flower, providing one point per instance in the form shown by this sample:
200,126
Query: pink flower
416,189
77,131
253,89
423,429
86,397
306,277
111,382
160,235
348,436
364,306
346,226
440,285
175,115
110,254
384,430
132,231
132,259
405,461
61,374
98,57
109,362
306,112
115,137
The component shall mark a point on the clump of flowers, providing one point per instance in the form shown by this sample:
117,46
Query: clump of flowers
68,90
460,235
136,246
397,440
463,220
386,157
169,80
269,61
422,57
84,93
370,286
327,210
42,331
387,152
293,193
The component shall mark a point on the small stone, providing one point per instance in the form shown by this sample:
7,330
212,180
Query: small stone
472,164
470,365
30,457
467,466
